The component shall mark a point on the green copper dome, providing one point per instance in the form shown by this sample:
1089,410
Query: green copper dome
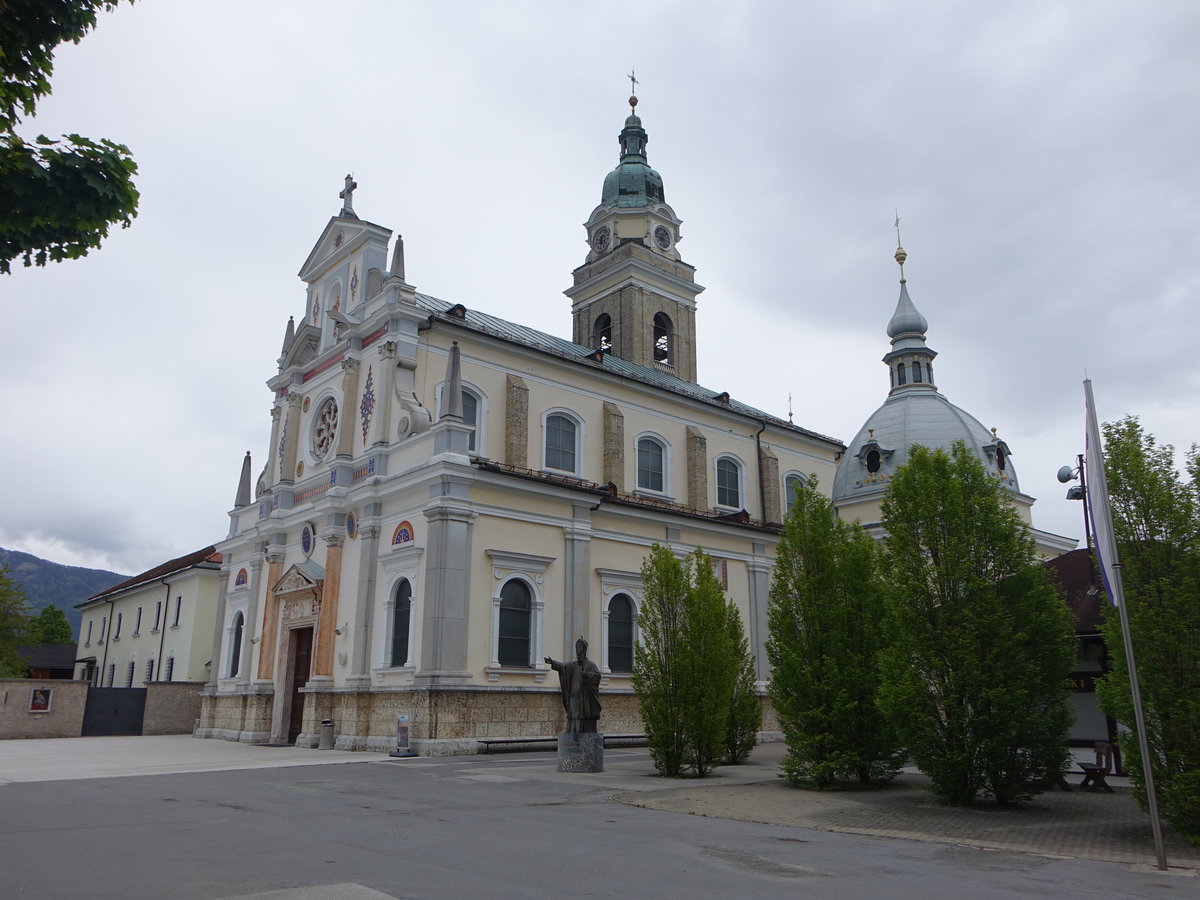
632,183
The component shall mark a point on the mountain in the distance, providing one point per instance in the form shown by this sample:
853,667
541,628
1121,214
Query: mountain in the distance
49,583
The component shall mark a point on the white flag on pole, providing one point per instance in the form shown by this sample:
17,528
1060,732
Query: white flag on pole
1098,505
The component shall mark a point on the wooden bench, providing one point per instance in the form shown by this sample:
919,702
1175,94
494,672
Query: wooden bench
1094,774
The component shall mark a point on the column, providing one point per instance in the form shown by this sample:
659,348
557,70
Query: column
577,559
214,670
273,449
327,619
759,569
350,403
445,607
291,437
364,607
270,622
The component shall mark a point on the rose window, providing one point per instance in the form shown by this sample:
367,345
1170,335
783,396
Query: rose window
325,427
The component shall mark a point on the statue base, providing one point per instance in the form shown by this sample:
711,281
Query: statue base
580,752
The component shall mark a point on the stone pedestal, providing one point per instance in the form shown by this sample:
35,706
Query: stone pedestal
580,752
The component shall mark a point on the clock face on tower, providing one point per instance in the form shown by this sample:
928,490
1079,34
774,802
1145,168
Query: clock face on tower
662,237
600,239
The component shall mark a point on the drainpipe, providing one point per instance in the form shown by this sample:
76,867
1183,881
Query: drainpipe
162,625
762,488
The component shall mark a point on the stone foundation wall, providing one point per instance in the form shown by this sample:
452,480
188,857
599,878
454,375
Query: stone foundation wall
442,722
172,707
63,719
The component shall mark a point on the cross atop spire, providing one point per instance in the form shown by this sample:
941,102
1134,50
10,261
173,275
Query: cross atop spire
901,256
347,195
633,82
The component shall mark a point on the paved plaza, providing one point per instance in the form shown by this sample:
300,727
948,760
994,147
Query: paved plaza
224,820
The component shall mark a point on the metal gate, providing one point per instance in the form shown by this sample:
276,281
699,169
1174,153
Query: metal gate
111,711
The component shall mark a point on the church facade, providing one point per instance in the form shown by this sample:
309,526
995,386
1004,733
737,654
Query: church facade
449,497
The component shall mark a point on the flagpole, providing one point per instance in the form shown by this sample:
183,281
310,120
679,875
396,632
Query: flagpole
1110,570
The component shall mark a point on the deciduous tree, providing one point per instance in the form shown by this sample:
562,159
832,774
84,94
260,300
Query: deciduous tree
1156,517
14,627
684,665
826,630
974,678
59,195
50,626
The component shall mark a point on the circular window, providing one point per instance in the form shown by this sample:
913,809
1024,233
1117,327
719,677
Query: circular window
324,428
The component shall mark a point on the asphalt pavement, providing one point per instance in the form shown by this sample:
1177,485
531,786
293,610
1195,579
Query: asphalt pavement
225,820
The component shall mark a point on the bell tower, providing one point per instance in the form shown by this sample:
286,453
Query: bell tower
634,296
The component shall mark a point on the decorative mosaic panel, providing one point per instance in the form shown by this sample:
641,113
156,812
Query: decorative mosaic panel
368,403
403,533
240,579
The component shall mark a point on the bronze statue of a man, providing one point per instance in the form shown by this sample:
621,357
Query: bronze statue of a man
579,681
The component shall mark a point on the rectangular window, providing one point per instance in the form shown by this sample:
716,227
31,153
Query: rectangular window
178,604
129,673
117,630
96,677
137,623
103,629
170,668
89,634
149,670
112,673
157,614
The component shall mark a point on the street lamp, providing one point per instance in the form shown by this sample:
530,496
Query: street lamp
1078,492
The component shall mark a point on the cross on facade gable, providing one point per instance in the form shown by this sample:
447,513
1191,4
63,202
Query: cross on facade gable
347,195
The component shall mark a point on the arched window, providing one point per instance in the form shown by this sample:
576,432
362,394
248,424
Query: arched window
130,669
235,653
664,337
729,483
901,374
149,671
651,467
791,487
561,443
620,633
916,371
602,332
516,604
401,620
470,405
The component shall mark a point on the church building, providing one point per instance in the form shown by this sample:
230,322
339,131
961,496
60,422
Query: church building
916,412
449,497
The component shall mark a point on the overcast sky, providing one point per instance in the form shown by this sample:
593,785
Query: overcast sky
1042,155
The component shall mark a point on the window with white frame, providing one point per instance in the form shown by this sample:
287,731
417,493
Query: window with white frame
157,614
515,630
88,640
401,623
117,627
518,612
652,464
561,444
137,622
729,482
178,609
621,618
792,483
103,630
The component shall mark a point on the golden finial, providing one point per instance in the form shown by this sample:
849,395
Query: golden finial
901,256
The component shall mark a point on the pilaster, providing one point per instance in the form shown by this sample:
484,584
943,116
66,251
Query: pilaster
327,618
291,438
697,468
350,400
516,421
270,626
360,649
445,613
614,445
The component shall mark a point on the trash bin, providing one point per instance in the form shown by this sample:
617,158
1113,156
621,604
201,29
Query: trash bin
326,741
